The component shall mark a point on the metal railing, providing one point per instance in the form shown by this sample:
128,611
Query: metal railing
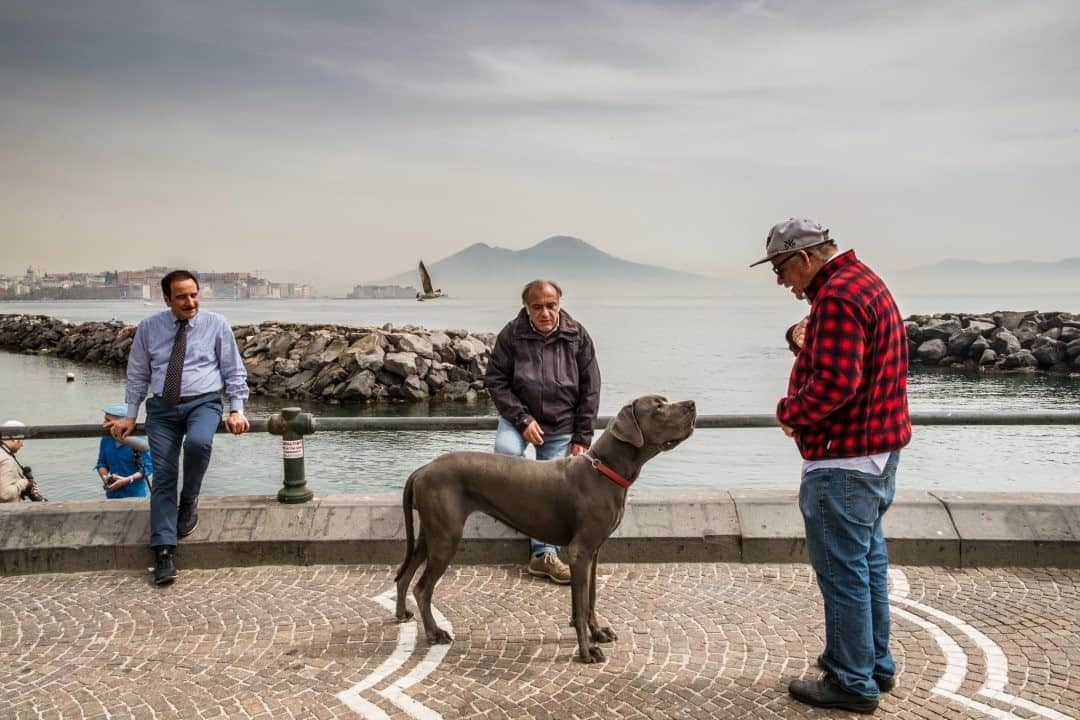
293,424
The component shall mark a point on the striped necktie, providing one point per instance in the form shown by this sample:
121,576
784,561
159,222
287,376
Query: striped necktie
170,393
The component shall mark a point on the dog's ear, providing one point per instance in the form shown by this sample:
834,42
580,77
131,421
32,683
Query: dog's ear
625,427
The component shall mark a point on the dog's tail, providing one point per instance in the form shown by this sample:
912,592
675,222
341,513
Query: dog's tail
407,507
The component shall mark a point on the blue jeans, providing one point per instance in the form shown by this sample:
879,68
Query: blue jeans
192,423
508,441
842,512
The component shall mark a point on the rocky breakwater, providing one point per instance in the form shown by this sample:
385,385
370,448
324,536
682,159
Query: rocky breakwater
331,363
342,364
999,341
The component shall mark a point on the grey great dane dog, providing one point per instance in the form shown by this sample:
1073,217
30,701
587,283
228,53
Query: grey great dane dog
576,502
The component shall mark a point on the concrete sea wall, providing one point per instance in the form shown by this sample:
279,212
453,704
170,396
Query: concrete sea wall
939,529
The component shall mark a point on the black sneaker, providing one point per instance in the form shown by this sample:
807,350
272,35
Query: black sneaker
188,518
164,568
884,683
826,693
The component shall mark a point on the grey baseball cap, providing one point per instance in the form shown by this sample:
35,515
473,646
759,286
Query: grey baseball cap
793,234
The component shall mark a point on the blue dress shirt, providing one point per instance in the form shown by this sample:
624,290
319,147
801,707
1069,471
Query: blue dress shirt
212,361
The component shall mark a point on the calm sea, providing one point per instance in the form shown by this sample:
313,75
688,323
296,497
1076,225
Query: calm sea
727,354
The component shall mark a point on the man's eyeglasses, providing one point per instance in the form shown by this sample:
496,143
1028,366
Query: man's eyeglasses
777,267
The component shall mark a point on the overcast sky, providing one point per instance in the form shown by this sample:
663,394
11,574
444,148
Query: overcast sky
334,142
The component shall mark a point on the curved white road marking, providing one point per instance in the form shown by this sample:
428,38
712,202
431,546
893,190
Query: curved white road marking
435,655
997,663
406,644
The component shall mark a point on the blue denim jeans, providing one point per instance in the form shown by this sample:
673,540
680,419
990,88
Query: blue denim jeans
192,423
508,441
842,511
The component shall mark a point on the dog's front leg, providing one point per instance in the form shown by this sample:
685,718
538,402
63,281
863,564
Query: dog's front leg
596,632
580,562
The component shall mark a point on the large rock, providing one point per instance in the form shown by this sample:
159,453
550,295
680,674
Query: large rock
368,352
1026,333
414,388
1011,320
983,326
960,342
1048,352
407,342
360,386
333,350
988,357
281,344
402,364
939,330
312,357
286,367
1004,343
468,349
331,374
932,351
1072,350
1020,360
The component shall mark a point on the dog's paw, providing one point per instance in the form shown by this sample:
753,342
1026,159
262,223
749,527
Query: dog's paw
404,617
592,654
439,637
604,635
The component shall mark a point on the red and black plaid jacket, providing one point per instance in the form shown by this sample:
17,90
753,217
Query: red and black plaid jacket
847,395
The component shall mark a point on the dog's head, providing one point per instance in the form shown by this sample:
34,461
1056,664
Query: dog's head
652,421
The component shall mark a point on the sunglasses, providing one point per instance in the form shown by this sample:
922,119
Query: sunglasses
777,267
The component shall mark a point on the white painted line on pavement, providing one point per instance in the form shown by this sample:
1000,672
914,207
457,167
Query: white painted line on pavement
435,655
405,647
997,663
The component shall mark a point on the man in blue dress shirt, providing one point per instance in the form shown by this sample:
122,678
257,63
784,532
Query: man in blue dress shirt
183,358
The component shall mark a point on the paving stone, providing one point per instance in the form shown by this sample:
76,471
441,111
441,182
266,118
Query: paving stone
695,641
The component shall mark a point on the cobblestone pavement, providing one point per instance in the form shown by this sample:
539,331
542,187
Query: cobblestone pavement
695,641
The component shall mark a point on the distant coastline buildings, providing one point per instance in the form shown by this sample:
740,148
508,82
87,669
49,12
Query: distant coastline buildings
141,285
381,292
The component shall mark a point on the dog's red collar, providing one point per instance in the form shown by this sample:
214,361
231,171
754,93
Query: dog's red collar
608,472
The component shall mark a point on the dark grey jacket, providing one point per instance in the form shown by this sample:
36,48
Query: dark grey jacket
554,380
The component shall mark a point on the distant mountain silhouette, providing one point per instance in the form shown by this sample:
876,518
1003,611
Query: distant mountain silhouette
1015,275
977,266
481,270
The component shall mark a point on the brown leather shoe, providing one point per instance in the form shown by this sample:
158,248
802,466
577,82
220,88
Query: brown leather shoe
549,565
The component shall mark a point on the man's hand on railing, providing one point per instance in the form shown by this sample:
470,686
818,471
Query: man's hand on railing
120,428
237,423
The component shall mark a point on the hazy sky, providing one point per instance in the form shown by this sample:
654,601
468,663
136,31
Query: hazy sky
334,142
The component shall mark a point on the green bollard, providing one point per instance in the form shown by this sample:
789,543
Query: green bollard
292,425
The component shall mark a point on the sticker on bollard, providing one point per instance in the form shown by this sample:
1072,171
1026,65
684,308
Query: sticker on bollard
292,449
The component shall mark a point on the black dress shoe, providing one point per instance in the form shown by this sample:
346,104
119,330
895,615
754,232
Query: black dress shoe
164,568
188,518
884,683
825,693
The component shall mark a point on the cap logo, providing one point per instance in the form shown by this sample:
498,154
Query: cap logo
789,243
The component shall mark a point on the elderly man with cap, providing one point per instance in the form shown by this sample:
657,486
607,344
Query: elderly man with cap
847,410
124,466
16,480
